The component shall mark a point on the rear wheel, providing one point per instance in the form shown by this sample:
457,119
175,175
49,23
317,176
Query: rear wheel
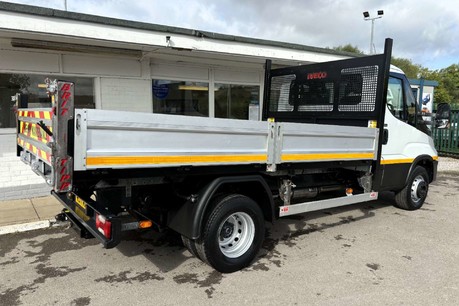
232,234
190,244
414,194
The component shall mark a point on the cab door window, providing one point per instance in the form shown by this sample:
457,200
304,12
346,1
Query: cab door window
395,98
411,105
402,104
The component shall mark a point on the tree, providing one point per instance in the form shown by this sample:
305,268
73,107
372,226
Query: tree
411,70
447,78
441,95
348,48
448,84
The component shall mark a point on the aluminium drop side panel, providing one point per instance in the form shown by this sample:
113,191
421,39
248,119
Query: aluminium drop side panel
119,139
113,139
314,142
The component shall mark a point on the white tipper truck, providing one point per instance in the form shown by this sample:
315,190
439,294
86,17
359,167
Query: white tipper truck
332,134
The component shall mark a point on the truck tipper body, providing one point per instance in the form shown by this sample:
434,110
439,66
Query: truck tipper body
332,134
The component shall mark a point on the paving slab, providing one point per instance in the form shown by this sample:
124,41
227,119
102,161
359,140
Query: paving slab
15,204
46,207
16,212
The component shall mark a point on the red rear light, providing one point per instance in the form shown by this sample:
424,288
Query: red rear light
104,226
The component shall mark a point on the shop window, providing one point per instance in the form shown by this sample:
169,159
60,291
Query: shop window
236,101
181,97
34,96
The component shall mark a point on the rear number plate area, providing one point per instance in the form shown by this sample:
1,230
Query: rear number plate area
81,203
82,207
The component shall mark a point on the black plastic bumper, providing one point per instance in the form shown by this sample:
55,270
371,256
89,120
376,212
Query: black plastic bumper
85,220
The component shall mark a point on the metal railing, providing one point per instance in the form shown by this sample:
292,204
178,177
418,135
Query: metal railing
447,140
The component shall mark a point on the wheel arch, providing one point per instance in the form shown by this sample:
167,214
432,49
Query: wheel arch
189,218
428,163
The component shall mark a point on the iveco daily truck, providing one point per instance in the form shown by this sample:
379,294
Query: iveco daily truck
332,134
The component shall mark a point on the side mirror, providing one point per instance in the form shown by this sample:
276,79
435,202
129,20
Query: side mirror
442,116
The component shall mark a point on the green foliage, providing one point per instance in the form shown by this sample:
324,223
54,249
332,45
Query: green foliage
447,78
411,70
448,84
441,95
348,48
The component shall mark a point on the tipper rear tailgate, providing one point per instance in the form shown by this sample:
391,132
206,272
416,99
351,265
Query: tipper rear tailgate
45,134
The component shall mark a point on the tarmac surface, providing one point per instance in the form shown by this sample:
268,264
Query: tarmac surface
369,253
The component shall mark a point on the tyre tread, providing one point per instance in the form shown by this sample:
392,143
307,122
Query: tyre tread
402,198
191,246
204,250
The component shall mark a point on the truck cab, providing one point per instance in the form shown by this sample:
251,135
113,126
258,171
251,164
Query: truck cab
407,142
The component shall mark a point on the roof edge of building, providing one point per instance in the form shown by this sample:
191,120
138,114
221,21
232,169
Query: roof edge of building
49,12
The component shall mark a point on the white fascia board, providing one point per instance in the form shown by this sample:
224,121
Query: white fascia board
52,26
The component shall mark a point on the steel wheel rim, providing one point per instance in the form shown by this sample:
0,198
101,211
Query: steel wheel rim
418,186
236,234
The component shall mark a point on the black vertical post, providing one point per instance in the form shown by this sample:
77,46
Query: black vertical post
382,94
266,89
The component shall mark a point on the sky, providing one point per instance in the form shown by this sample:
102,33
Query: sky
424,31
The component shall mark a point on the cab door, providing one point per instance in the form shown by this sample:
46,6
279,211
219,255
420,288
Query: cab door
406,134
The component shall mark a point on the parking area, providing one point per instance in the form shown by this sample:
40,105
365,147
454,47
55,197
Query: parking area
370,253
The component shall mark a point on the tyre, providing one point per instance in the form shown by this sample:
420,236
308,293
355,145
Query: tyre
232,233
190,245
414,194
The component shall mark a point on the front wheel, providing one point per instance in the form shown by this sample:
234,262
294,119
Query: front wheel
232,233
414,194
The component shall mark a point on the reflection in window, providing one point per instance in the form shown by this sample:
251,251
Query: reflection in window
181,97
357,89
34,96
280,95
314,96
236,101
395,98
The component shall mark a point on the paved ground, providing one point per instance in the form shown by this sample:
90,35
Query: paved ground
370,253
20,215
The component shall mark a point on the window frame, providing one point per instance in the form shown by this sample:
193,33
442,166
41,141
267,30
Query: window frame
56,75
239,84
211,80
163,78
403,100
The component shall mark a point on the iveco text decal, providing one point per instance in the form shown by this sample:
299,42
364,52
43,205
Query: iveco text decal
317,75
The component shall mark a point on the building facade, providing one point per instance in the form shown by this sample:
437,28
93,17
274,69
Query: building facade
125,65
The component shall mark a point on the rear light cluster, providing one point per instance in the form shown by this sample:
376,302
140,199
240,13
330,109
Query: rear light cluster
104,226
